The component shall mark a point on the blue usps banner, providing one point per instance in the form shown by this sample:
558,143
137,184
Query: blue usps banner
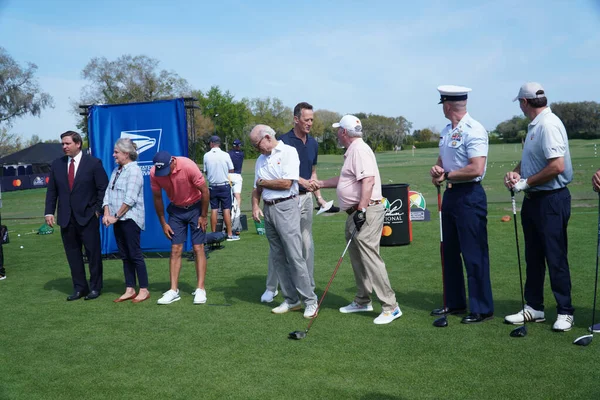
152,126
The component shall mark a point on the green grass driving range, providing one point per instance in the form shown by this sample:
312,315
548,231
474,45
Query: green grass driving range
234,348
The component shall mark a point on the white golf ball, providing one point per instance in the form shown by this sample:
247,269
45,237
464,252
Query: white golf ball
19,234
21,246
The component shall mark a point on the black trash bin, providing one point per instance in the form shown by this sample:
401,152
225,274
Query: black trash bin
397,228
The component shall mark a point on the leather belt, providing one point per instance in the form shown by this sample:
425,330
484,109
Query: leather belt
450,185
542,193
354,208
220,184
273,202
187,207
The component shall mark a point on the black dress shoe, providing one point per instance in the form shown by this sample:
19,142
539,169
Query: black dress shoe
76,296
448,311
474,318
94,294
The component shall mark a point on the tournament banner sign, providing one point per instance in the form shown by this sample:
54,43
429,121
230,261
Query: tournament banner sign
418,207
152,126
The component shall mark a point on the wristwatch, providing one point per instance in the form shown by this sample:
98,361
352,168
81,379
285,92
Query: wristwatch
116,216
446,175
363,210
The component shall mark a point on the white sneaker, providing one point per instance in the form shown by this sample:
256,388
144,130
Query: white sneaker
2,277
268,296
310,311
285,307
233,238
564,323
199,296
388,316
169,297
531,315
353,307
594,328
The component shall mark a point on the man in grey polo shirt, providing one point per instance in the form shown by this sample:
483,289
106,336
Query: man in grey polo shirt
276,182
543,174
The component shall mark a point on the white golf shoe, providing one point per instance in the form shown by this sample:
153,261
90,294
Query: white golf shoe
531,315
286,307
268,296
310,311
564,323
388,316
594,328
170,296
353,307
199,296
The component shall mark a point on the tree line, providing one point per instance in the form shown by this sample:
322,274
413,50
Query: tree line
130,79
581,120
137,79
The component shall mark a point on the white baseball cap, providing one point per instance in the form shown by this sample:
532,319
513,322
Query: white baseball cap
349,123
530,91
452,93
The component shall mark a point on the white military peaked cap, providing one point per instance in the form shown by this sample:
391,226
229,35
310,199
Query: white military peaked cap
452,93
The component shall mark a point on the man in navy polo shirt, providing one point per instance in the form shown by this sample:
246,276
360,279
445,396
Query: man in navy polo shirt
307,148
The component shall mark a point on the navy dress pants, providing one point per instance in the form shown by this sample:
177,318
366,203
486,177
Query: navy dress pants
544,217
464,227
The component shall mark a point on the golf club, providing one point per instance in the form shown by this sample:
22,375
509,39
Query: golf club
441,322
587,339
297,335
522,330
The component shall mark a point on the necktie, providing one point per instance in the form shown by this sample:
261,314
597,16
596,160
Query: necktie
71,173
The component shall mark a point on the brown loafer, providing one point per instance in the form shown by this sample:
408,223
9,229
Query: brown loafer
120,300
140,300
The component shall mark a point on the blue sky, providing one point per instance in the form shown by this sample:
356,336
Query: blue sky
383,57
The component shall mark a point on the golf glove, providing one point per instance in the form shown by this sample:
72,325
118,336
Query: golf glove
359,219
521,185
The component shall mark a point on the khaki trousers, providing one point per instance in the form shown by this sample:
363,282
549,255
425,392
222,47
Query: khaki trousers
369,269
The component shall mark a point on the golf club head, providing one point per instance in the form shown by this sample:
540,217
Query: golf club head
519,332
583,340
297,335
441,322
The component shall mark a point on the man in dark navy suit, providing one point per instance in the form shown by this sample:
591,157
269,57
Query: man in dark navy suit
78,182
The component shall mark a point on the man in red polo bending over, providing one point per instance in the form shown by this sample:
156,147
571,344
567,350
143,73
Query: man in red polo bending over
186,188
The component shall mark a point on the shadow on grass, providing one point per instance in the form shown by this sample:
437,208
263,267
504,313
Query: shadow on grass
65,285
380,396
248,289
427,301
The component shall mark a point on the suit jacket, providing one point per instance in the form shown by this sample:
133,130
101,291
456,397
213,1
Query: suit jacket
88,190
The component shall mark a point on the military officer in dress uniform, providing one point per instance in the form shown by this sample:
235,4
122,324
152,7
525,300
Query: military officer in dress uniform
462,163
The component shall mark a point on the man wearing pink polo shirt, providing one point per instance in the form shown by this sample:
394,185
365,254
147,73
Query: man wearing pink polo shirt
186,188
359,192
